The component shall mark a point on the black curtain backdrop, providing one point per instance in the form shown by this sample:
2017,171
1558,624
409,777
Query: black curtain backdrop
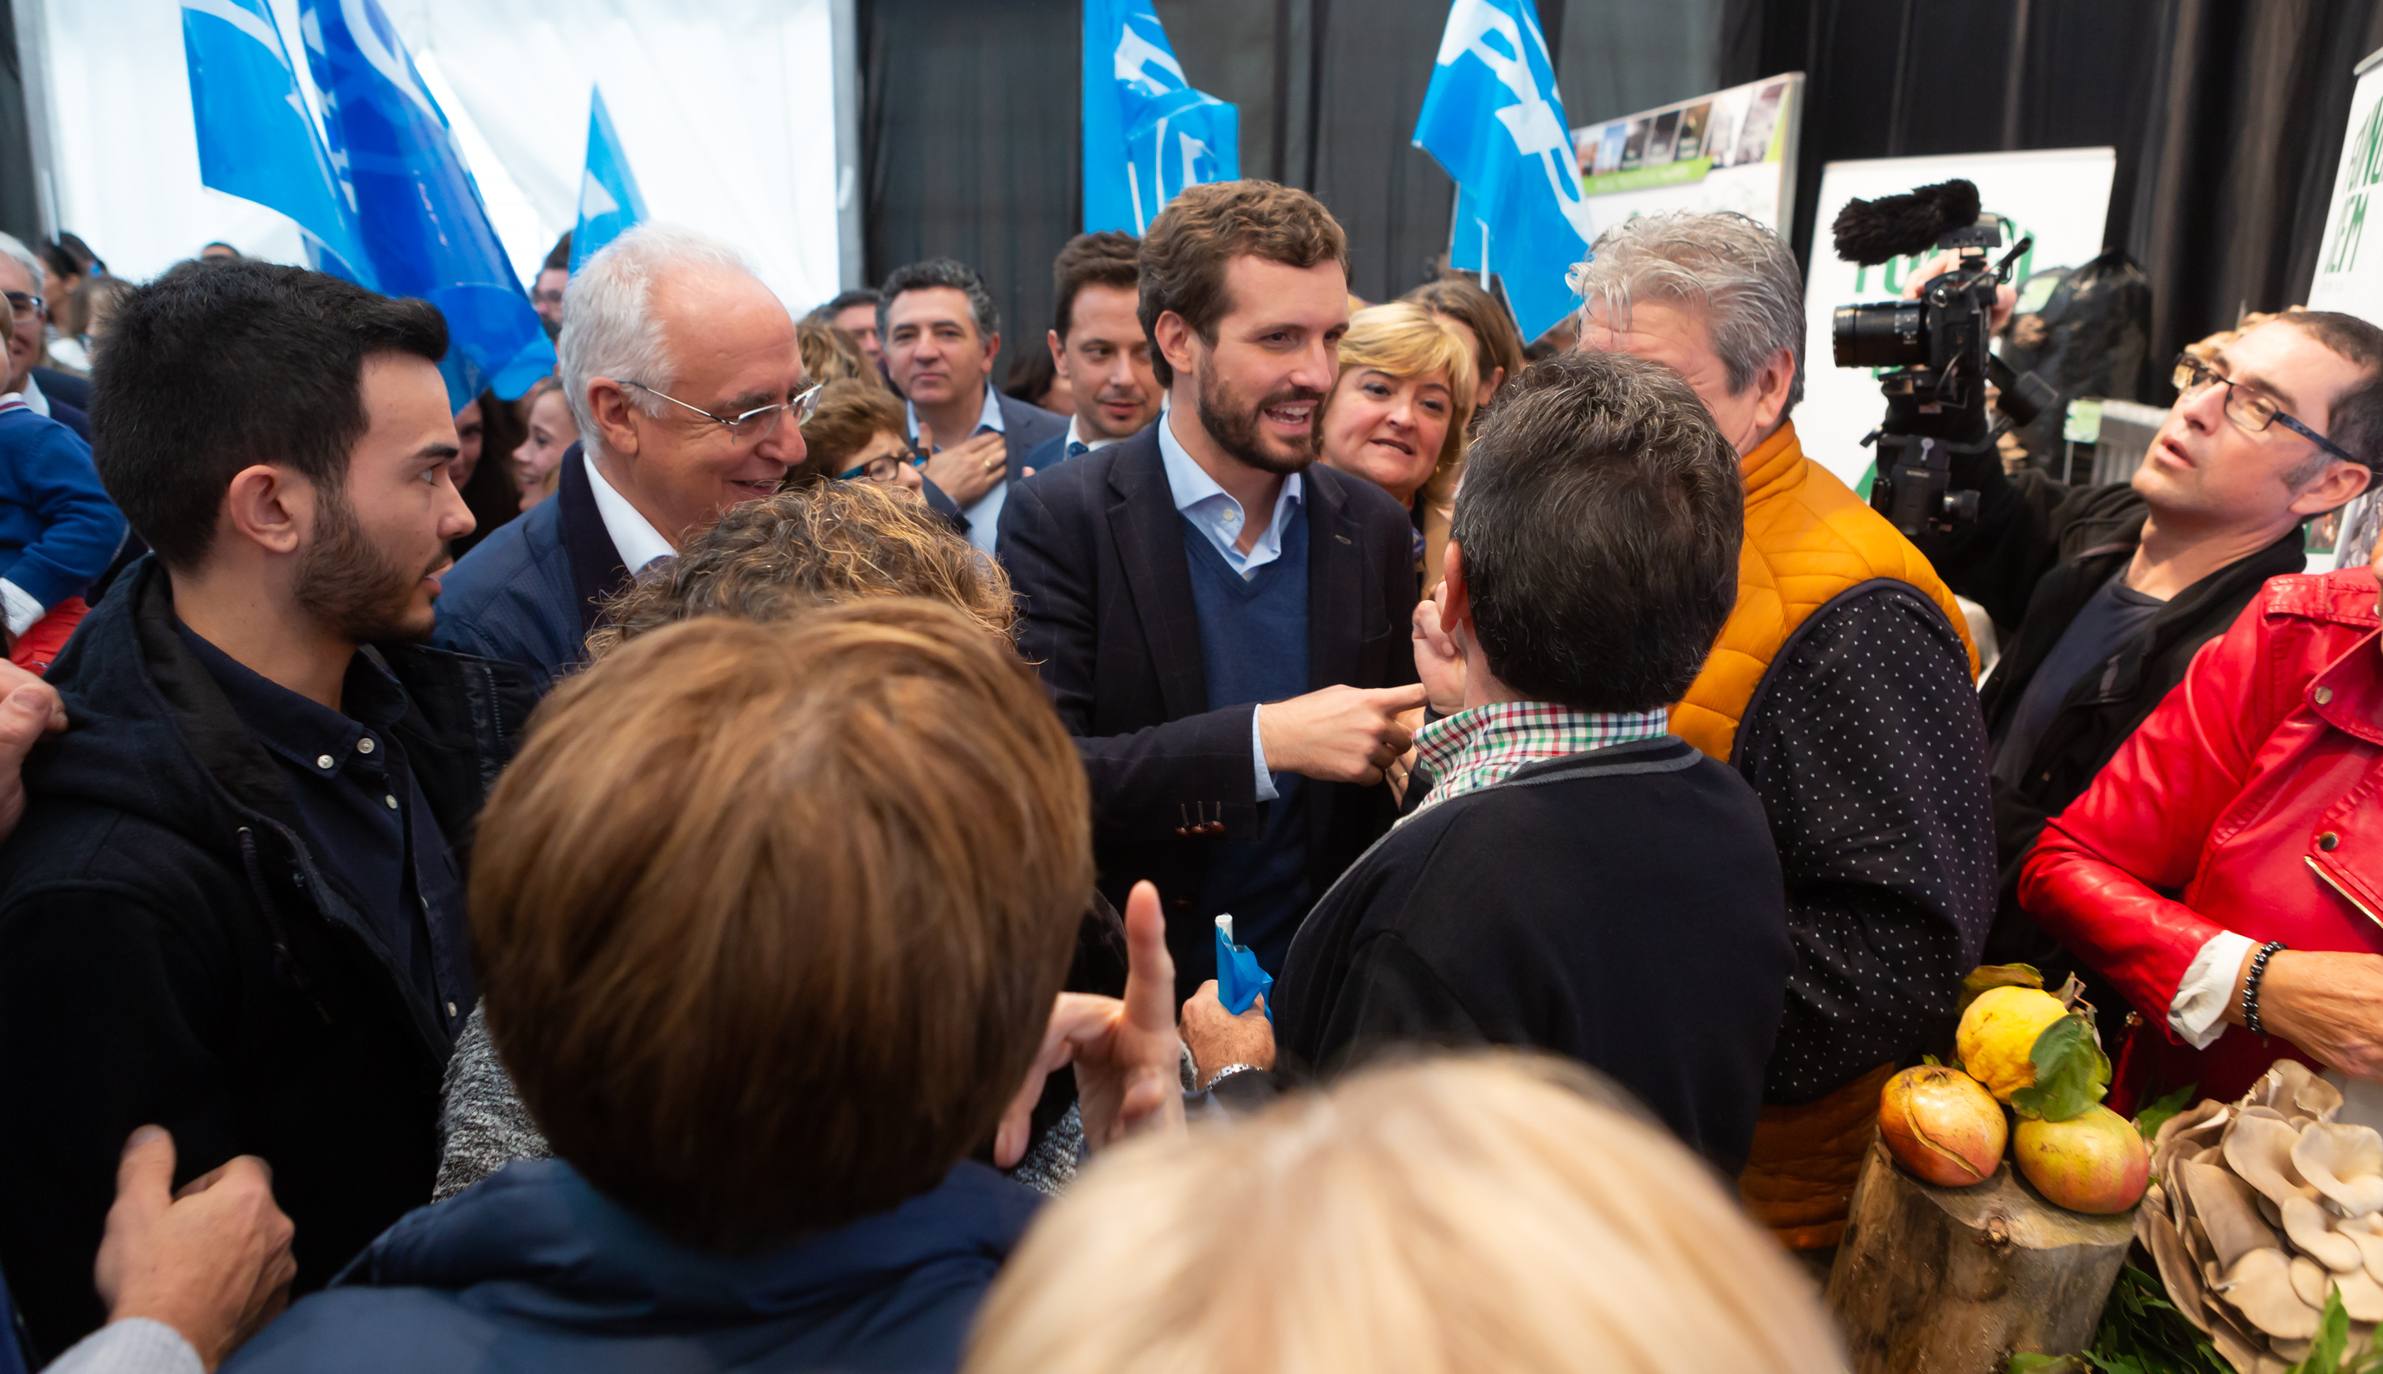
971,106
2227,117
19,211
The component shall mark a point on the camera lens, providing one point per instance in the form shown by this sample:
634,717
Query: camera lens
1880,334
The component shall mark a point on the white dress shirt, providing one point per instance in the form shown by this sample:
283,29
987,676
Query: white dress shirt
634,537
984,518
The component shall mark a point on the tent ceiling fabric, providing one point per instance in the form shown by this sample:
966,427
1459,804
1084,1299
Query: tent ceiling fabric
727,111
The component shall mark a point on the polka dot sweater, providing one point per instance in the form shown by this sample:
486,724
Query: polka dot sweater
1867,748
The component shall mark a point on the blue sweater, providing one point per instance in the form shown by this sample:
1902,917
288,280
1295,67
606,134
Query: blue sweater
1253,648
58,529
536,1270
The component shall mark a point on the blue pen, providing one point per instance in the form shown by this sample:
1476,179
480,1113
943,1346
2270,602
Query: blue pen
1239,979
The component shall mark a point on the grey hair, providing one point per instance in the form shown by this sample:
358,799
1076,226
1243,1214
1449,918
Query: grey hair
1599,522
13,247
610,326
1737,274
935,272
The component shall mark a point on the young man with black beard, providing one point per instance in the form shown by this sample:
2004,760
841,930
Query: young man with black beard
234,906
1222,623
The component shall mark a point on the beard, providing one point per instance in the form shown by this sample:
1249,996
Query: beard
355,590
1235,427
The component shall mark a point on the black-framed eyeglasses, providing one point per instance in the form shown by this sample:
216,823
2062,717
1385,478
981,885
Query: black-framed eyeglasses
26,303
2250,411
757,421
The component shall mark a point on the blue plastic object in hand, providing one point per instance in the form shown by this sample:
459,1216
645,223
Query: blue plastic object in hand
1239,980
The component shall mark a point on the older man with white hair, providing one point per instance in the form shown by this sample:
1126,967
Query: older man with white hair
21,287
682,370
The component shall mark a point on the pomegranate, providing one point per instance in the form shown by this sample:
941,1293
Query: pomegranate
2093,1162
1942,1125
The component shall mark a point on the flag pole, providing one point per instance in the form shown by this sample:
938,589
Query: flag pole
1484,254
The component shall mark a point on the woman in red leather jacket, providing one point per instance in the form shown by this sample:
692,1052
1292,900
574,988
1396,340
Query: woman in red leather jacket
2239,814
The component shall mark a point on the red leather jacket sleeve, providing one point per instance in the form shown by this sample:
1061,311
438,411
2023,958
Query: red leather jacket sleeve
2096,878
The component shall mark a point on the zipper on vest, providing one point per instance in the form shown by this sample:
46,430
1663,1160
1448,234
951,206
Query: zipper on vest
2363,908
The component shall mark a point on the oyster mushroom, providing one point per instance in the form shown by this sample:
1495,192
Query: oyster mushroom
2178,1273
2362,1297
2310,1228
2227,1212
2310,1281
2344,1164
2259,1151
2294,1089
2367,1234
2259,1286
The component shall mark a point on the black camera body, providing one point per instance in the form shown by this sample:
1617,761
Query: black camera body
1938,347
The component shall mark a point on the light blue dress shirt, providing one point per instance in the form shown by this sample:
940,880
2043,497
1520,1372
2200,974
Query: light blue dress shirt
1218,516
984,518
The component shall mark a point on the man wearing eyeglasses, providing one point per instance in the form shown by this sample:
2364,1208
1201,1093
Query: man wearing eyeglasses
21,288
2104,594
682,370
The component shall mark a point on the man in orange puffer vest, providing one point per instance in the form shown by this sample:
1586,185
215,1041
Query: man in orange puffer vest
1842,688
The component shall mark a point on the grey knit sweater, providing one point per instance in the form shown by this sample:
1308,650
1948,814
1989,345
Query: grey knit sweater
487,1127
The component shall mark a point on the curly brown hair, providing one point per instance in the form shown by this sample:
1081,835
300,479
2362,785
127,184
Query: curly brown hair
850,414
831,355
820,545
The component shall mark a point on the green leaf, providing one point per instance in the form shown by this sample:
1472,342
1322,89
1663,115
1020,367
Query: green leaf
2151,1118
1986,977
2141,1333
2024,1363
2071,1072
2332,1340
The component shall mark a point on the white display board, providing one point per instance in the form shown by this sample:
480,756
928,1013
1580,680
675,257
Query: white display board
2349,278
2061,197
1730,150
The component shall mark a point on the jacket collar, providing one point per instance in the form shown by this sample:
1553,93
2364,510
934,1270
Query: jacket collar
596,568
1775,466
540,1241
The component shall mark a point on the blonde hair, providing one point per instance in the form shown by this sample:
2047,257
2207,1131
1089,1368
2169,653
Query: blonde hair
1404,339
1482,1211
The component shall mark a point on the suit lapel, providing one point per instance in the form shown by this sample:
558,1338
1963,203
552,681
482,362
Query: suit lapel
1149,535
596,569
1335,583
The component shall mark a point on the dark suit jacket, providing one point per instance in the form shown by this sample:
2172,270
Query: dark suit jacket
1094,549
64,386
1026,428
531,590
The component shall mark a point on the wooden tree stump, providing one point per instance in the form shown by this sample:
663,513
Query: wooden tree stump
1953,1280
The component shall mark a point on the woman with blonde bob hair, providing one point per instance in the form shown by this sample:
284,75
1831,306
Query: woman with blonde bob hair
1492,1210
1398,413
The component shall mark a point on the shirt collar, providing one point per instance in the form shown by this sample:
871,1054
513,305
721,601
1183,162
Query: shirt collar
31,395
1195,491
987,418
1484,746
634,537
297,727
1076,435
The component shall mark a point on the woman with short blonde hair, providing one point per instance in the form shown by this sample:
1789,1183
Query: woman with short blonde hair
1490,1211
1397,414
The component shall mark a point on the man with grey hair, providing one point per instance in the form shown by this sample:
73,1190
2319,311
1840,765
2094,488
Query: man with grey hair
21,287
941,333
682,370
1578,879
1841,688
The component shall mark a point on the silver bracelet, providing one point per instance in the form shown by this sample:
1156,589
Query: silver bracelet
1227,1071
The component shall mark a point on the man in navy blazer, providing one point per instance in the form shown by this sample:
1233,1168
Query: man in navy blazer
20,286
1226,626
682,370
941,332
1098,347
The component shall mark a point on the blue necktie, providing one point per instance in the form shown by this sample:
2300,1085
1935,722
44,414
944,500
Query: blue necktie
1077,448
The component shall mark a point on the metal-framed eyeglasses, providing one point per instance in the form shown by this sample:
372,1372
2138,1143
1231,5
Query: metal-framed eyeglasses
25,304
2249,410
752,423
